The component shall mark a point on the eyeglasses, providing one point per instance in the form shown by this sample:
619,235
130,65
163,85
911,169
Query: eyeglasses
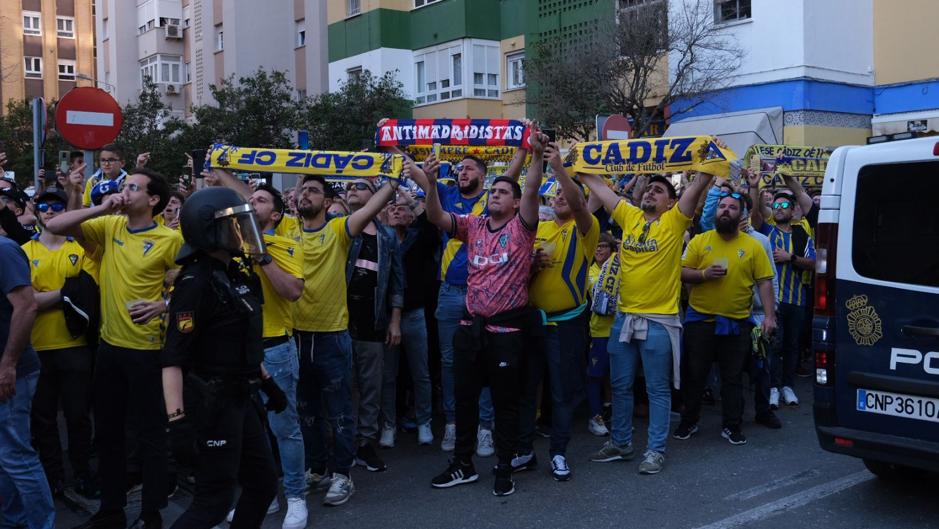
109,160
44,207
645,233
132,186
781,205
359,186
736,196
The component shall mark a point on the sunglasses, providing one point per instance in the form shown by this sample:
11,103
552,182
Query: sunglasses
54,206
736,196
645,233
359,186
781,205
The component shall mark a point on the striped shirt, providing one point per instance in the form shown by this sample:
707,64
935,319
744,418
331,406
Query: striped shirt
792,288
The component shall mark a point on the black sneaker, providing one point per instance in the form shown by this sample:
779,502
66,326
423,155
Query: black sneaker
523,462
366,457
685,430
458,473
734,436
105,520
148,520
503,485
769,420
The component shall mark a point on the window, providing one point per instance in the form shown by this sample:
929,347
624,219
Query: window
440,71
34,67
896,235
162,69
422,3
65,27
486,70
421,79
32,23
353,74
731,10
187,69
66,70
353,7
219,38
515,70
301,34
186,23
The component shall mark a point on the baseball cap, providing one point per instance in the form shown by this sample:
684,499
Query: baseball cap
53,193
15,195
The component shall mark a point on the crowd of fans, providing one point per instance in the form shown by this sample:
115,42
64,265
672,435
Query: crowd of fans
496,311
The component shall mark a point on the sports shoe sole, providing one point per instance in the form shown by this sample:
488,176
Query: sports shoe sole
332,503
507,493
647,472
462,481
610,459
561,477
363,463
735,443
691,432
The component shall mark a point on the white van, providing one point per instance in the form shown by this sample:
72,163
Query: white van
876,326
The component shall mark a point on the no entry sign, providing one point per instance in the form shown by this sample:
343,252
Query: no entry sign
88,118
616,127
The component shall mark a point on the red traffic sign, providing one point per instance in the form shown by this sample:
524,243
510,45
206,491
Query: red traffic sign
88,118
616,127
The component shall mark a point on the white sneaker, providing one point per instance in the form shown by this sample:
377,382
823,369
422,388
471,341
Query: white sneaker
597,427
271,509
387,437
484,446
774,398
449,438
339,491
424,434
789,396
296,514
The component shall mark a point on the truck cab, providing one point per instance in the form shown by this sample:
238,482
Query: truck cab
875,332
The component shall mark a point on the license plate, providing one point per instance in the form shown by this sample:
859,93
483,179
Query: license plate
898,405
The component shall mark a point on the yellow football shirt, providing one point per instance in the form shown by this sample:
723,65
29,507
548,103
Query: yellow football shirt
289,227
278,311
563,285
730,296
133,265
650,269
322,308
600,326
49,270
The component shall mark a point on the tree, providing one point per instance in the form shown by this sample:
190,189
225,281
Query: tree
345,120
16,140
150,127
639,66
255,111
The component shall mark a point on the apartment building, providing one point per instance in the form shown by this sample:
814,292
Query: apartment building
823,73
185,46
455,58
45,46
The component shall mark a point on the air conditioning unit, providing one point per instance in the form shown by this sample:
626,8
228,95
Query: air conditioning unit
172,89
173,31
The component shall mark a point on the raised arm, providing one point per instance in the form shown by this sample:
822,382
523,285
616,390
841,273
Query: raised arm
802,198
572,192
528,208
227,178
758,213
599,189
427,179
69,222
356,222
689,199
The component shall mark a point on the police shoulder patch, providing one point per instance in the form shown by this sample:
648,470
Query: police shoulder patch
185,322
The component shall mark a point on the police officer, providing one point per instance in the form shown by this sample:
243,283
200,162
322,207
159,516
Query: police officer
211,363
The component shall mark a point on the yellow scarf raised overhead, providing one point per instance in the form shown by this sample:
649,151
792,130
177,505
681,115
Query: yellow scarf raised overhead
652,155
327,163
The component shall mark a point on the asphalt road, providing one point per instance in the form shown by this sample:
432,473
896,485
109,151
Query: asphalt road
780,479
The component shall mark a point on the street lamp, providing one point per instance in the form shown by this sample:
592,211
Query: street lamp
110,87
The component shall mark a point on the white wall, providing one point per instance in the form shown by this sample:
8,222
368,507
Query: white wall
784,39
258,35
378,62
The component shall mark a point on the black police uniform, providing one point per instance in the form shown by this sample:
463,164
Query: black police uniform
214,334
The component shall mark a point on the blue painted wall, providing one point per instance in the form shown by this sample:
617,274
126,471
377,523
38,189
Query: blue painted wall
810,94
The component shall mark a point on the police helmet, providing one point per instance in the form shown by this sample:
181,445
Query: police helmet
217,218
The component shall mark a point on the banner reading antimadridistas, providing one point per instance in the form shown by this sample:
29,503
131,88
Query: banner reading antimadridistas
495,132
652,155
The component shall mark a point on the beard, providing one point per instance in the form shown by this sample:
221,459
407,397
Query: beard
309,212
471,187
726,225
648,207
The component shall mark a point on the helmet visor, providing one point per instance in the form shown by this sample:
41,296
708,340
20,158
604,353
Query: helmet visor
239,232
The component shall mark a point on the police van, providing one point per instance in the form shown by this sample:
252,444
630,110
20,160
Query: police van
876,326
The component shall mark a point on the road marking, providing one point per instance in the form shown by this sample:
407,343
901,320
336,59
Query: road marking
790,502
773,485
80,117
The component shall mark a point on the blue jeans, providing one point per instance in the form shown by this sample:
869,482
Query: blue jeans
324,395
414,344
451,304
283,364
562,351
24,491
656,354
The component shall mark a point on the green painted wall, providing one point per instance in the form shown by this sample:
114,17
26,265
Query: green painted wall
381,28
